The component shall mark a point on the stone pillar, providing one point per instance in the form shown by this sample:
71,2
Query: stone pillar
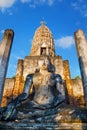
5,48
19,80
81,46
67,78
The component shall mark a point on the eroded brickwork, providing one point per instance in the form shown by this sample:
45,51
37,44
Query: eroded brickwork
19,80
78,94
8,91
68,81
43,42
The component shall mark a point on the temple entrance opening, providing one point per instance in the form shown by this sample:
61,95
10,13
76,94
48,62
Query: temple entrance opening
43,50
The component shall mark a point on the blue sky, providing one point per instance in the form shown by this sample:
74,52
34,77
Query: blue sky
63,17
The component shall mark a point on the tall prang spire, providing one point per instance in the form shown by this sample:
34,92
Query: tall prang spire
43,22
43,41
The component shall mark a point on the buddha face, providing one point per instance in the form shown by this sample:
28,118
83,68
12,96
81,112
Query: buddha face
43,67
44,64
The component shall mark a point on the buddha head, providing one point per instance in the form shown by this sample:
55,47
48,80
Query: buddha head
45,64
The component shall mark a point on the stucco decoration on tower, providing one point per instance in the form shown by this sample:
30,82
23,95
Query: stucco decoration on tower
43,42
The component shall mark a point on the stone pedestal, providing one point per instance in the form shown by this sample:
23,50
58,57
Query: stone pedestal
63,117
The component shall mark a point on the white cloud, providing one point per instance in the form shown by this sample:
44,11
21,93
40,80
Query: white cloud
65,42
6,4
34,3
80,6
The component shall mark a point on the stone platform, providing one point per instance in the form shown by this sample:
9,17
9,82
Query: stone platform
63,117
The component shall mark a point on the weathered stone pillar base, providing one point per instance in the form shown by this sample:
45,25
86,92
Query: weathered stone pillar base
4,102
69,91
67,78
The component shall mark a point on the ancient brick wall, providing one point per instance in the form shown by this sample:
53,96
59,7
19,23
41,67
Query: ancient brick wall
68,82
30,65
78,95
19,80
58,64
8,91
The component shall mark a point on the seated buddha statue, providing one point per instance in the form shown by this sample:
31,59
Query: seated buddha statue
47,90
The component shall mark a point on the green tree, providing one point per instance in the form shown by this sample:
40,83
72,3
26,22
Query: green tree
77,77
13,77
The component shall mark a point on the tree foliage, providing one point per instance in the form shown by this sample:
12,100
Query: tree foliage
77,77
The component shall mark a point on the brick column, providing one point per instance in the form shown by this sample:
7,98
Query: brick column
81,46
67,78
5,48
19,80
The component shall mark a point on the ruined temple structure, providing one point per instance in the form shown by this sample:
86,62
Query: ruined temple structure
43,46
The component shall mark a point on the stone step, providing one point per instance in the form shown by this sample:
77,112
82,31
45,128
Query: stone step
44,126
